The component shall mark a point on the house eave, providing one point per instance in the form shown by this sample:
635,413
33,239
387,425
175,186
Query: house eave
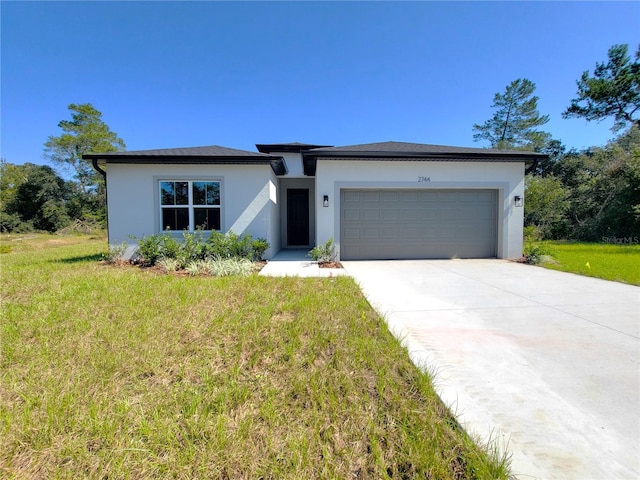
310,158
277,164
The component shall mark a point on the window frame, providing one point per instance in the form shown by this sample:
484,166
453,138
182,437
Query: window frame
190,206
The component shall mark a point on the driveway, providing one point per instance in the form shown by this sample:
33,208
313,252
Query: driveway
546,363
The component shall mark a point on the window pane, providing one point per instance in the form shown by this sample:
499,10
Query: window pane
175,193
206,193
207,218
182,193
175,219
199,193
213,193
168,193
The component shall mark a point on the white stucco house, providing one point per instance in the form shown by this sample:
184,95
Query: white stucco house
388,200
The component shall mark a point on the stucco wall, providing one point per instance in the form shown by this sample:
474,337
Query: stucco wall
506,178
294,163
248,199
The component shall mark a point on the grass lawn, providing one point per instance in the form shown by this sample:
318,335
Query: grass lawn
620,263
118,372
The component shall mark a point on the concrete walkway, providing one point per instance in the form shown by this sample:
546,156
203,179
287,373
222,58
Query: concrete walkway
295,263
547,363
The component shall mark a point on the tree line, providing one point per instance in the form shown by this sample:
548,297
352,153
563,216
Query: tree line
587,194
36,197
591,194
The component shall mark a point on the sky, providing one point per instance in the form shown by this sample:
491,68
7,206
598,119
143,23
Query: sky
180,74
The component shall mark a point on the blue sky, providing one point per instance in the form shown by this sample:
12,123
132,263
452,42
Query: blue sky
176,74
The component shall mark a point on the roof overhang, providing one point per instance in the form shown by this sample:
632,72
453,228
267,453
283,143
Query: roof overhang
287,147
277,163
310,158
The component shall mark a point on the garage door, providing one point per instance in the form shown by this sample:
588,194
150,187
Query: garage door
394,224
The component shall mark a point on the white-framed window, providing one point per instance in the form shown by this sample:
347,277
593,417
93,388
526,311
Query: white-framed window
190,205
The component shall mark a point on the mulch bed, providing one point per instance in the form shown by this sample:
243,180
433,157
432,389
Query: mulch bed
329,265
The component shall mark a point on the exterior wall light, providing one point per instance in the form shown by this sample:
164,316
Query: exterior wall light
325,201
517,200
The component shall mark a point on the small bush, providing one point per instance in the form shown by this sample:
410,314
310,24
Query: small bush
535,253
231,245
151,248
194,268
116,253
194,250
168,264
222,267
323,253
258,246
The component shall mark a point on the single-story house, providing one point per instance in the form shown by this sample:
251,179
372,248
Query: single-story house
388,200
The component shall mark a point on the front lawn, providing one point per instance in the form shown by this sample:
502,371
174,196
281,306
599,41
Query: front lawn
620,263
118,372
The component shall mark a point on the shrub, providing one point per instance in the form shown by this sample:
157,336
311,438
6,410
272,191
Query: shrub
222,267
323,253
116,253
194,248
230,245
151,248
168,264
194,267
259,246
535,253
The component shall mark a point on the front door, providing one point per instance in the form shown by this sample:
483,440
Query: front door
298,217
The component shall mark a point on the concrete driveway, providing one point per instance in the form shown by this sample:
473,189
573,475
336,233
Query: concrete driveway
547,363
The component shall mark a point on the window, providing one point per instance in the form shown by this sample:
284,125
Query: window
190,205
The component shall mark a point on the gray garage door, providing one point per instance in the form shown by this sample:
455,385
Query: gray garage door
393,224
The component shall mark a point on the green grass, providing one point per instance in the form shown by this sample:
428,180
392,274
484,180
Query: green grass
620,263
119,372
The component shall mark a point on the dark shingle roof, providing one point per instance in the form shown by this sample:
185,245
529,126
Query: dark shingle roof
212,154
397,151
185,152
287,147
401,148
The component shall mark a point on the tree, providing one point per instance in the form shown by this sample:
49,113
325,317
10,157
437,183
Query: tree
604,188
37,199
546,205
613,91
84,133
513,125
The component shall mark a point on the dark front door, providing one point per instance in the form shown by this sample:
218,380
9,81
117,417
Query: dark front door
298,216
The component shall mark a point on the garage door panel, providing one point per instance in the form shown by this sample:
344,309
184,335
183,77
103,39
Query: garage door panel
428,233
391,196
390,215
409,214
429,213
448,213
351,214
426,197
408,233
351,234
370,197
390,233
434,223
370,215
409,196
370,233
